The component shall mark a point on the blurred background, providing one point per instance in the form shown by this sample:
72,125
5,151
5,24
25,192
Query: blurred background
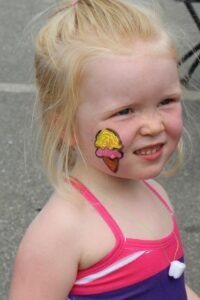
23,186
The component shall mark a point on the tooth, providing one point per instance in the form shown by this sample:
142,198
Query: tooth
148,152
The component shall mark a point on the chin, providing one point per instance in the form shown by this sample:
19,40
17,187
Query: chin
134,174
153,174
146,173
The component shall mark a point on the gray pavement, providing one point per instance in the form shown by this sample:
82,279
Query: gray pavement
23,187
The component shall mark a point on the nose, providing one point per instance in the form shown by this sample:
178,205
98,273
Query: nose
152,124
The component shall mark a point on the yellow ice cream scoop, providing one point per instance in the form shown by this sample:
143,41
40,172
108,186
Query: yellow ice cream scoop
108,139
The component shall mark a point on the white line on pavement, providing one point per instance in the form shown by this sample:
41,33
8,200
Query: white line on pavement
17,88
30,88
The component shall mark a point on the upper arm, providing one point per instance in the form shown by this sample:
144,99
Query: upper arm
191,294
47,260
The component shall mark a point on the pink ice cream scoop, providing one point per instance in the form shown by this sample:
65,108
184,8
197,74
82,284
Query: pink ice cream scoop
114,153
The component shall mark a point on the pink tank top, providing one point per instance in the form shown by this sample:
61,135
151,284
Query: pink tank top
134,269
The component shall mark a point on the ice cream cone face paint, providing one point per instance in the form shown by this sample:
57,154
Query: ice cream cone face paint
109,148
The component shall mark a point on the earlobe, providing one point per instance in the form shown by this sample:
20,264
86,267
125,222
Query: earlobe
55,117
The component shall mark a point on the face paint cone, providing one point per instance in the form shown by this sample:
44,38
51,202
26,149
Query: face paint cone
112,164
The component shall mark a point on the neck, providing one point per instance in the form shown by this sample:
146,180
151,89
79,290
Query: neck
102,182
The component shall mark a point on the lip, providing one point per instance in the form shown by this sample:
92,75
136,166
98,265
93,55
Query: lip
150,152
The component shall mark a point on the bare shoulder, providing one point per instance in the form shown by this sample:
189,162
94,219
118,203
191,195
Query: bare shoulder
49,253
191,294
159,188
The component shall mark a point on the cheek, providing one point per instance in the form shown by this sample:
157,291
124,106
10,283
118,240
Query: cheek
109,148
85,133
175,125
128,136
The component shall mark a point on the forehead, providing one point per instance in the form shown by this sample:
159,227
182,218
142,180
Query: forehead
129,76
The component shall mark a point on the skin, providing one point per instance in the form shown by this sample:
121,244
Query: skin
141,116
128,95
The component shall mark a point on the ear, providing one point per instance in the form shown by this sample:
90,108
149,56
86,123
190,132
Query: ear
55,120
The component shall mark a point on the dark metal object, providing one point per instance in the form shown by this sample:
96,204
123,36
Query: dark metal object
195,49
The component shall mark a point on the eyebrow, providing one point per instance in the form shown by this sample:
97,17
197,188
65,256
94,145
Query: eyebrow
174,94
130,103
111,110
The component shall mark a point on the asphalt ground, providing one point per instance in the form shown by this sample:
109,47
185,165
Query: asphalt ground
23,186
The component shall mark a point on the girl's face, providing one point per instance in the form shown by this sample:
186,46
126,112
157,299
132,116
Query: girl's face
129,120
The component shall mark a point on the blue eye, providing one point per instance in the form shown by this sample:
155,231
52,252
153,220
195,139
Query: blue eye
125,111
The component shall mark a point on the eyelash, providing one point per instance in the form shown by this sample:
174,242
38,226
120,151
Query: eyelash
124,112
128,110
166,101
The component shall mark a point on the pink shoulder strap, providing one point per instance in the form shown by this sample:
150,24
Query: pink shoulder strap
158,195
84,191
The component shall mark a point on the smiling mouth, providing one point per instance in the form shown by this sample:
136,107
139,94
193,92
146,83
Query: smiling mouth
150,150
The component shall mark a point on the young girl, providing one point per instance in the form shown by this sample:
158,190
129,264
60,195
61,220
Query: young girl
109,102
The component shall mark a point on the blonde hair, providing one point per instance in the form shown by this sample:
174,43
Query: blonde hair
75,33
